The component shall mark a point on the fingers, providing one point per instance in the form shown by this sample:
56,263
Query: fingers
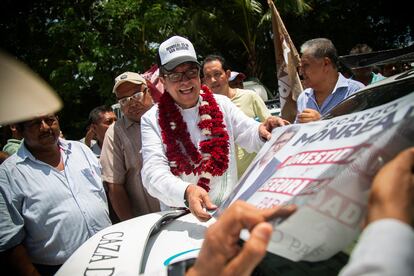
280,212
242,215
198,200
269,124
286,122
252,252
221,254
309,115
199,212
405,160
392,193
273,122
207,202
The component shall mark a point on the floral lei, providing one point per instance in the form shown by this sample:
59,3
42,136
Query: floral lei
214,157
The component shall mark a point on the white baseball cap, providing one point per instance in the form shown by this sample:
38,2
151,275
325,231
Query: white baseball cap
128,77
176,50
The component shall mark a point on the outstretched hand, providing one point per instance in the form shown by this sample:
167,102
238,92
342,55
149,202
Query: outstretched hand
269,124
221,254
198,202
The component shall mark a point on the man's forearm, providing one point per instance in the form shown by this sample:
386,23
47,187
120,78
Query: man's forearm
120,201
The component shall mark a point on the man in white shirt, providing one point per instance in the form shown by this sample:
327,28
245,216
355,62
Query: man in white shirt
188,138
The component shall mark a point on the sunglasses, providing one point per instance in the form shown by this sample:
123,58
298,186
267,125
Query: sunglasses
138,96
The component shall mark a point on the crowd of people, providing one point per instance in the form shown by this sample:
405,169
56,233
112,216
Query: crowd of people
187,150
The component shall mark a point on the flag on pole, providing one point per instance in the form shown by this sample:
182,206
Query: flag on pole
287,61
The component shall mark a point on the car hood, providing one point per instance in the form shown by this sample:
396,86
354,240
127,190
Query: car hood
138,246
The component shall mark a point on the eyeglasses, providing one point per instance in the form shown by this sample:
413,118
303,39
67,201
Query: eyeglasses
137,96
36,123
178,76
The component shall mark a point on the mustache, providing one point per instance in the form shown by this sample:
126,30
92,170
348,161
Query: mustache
46,134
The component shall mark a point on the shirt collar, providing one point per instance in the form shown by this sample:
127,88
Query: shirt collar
128,122
65,146
23,153
341,82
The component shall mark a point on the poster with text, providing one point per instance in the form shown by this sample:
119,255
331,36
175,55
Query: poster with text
326,169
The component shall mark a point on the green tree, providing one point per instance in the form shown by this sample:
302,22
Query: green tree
239,28
79,46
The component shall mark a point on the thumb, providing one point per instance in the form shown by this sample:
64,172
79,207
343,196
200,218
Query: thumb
252,252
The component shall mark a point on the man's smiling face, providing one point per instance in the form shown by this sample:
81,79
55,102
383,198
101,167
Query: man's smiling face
185,91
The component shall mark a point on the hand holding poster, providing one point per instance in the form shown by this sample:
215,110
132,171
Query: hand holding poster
326,168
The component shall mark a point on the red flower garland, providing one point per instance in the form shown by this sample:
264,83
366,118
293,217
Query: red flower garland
214,157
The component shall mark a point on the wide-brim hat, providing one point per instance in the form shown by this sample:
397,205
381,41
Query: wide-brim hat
23,94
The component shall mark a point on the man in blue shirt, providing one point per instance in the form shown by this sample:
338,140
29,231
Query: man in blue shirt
326,87
52,199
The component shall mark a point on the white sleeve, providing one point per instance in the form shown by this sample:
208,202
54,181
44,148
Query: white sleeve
245,129
156,175
386,247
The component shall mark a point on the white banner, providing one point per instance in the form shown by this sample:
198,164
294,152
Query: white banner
325,168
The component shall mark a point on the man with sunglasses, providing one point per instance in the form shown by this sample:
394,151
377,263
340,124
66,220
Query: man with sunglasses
120,157
188,138
54,196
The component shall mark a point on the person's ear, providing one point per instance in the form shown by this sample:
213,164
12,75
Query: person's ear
327,61
93,128
228,74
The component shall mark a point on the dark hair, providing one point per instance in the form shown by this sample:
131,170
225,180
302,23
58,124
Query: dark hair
219,58
360,49
94,115
158,61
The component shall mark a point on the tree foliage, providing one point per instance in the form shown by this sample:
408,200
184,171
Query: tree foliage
80,46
